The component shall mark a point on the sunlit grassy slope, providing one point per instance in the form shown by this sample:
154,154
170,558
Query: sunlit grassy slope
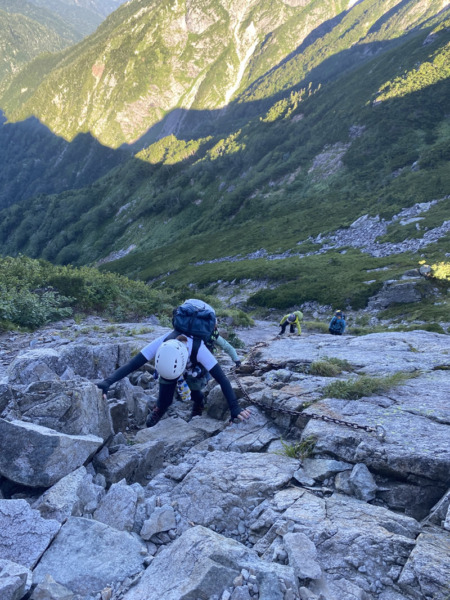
371,141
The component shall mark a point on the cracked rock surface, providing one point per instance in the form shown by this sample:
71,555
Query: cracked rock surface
304,501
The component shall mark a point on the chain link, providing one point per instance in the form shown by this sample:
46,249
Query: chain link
378,430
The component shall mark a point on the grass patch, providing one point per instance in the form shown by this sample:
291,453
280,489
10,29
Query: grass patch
329,367
365,330
315,326
353,389
299,450
433,327
428,311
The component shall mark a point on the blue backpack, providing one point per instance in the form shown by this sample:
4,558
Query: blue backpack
194,318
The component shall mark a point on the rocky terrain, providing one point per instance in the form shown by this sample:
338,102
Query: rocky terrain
363,234
315,497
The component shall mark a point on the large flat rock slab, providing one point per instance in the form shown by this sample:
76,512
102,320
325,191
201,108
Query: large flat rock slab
415,444
223,487
375,354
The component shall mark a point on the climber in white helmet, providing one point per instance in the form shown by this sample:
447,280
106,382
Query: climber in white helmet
172,359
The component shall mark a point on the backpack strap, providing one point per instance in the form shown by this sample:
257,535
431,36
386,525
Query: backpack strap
195,347
172,335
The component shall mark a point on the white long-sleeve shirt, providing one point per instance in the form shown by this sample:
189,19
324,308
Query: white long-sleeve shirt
204,356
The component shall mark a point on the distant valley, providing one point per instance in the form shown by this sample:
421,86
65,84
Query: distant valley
177,135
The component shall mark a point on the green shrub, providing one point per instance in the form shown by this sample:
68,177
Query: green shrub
353,389
300,450
30,310
234,340
35,292
238,317
329,367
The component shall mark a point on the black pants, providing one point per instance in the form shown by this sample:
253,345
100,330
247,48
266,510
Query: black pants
166,394
335,332
285,324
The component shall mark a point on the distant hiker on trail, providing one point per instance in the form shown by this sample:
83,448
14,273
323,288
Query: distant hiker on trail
293,320
179,354
337,323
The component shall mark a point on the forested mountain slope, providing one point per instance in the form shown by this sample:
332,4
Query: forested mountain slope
35,161
27,31
150,58
363,129
29,28
84,15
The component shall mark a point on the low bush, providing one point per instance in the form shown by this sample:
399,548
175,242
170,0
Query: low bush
35,292
353,389
300,450
329,367
24,308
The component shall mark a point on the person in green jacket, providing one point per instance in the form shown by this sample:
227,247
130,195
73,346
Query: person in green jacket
217,340
293,320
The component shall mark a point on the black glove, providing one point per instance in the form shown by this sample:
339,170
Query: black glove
104,386
238,363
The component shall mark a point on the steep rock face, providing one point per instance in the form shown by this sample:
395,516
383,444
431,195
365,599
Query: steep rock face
254,510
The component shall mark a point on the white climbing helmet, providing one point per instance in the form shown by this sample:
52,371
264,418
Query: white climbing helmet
171,359
291,318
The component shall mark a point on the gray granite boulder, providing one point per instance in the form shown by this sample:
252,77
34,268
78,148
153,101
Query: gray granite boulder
25,534
39,457
355,541
87,555
426,573
118,507
74,495
74,407
223,487
15,580
202,564
49,589
135,463
178,436
49,364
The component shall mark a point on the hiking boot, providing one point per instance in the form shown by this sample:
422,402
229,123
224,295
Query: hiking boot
197,409
153,417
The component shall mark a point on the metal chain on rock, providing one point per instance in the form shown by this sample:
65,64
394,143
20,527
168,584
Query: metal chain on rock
379,431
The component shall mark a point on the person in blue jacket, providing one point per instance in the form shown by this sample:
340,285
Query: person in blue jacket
337,323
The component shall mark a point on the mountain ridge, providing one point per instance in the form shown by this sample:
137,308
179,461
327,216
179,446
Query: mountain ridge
372,140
